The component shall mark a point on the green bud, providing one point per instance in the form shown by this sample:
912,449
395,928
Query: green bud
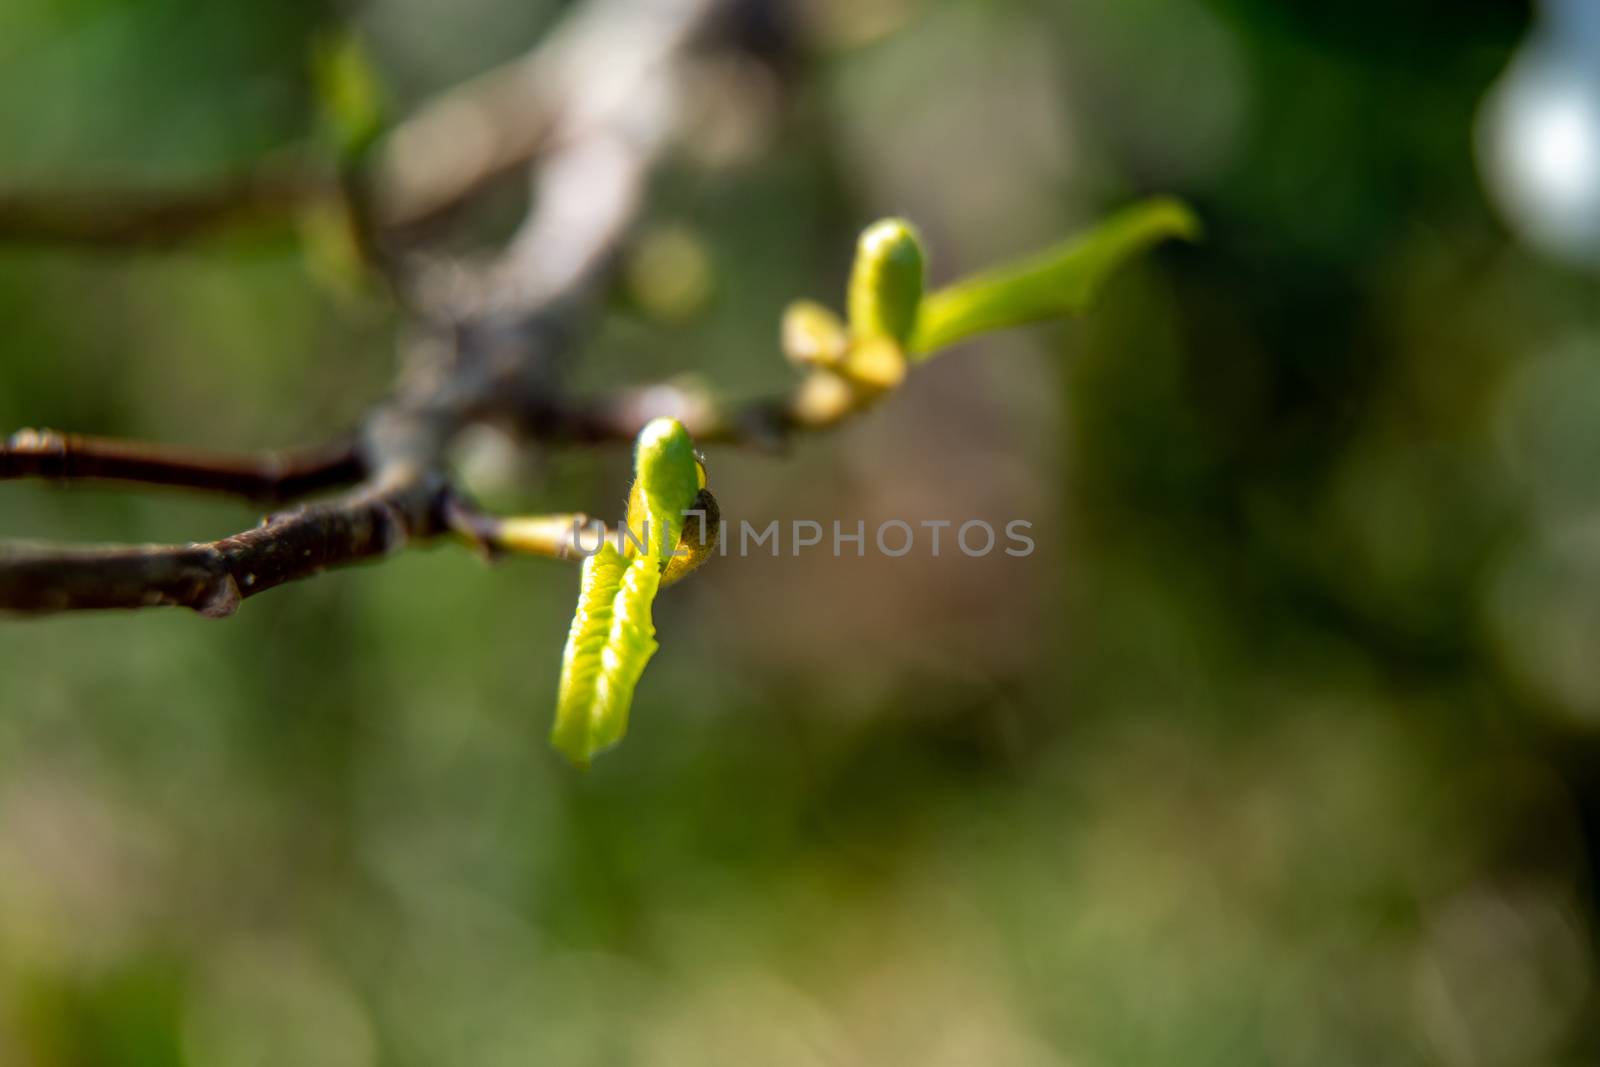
886,282
666,479
813,336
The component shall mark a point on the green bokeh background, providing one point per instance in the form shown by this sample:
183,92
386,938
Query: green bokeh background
1283,747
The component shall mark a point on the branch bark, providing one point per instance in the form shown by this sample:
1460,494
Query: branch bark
212,578
264,477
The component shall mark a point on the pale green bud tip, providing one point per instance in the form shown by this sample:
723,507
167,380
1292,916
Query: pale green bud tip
661,434
667,477
665,461
890,237
886,283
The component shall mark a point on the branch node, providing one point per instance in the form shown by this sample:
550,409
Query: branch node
221,598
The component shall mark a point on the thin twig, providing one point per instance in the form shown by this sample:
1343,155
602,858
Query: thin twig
266,477
819,401
549,536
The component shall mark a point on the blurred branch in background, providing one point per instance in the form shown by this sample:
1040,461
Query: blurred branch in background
127,217
455,145
422,168
603,66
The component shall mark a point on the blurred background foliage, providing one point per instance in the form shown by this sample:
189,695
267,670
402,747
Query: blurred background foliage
1283,748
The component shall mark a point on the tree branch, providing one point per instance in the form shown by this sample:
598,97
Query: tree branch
611,88
819,401
212,578
268,477
611,51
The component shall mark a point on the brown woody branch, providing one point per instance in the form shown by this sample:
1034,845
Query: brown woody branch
212,578
269,477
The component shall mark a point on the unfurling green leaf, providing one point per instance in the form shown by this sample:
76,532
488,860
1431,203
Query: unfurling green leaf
584,724
886,282
1059,282
612,635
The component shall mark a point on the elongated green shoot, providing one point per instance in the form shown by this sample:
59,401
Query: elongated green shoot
1059,282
